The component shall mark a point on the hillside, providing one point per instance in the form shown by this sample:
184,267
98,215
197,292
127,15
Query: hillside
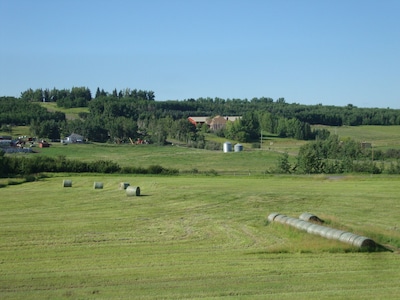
70,113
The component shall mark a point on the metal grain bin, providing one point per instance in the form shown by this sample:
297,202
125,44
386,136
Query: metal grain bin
227,147
238,147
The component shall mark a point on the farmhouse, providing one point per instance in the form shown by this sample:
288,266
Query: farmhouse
198,120
73,138
216,123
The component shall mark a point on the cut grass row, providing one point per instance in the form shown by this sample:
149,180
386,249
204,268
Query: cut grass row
196,237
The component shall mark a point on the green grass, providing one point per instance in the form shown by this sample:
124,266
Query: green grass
196,237
17,131
250,161
70,113
381,137
174,157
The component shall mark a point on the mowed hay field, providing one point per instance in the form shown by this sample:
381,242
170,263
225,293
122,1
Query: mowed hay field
196,237
183,159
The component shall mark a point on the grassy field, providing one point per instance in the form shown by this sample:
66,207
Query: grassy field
381,137
176,157
250,161
70,113
196,237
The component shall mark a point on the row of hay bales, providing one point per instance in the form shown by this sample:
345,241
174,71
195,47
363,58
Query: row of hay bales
323,231
130,190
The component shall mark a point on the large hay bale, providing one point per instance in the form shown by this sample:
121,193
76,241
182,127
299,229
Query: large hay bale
364,242
334,234
123,185
310,218
67,183
98,185
323,231
281,219
272,216
133,191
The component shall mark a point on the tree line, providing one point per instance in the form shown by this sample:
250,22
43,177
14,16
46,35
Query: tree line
24,166
127,114
332,155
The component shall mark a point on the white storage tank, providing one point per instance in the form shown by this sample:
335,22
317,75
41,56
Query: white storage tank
227,147
238,147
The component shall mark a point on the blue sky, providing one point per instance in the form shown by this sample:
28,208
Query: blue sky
333,52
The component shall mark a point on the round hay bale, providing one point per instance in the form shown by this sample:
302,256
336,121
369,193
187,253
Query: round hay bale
281,219
310,218
364,242
345,237
272,216
291,221
304,225
98,185
348,237
295,223
133,191
123,185
334,234
314,229
67,183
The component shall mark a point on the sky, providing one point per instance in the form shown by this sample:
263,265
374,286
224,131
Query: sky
329,52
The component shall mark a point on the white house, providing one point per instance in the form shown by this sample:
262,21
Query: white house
73,138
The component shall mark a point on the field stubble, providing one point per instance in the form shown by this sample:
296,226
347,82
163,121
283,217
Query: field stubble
196,237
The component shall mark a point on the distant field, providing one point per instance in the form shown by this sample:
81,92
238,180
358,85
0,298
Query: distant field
192,237
17,131
250,161
381,137
70,113
175,157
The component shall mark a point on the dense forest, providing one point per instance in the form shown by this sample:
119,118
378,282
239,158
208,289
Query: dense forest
131,113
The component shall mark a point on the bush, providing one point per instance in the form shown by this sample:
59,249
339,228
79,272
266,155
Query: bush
30,178
367,167
212,172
